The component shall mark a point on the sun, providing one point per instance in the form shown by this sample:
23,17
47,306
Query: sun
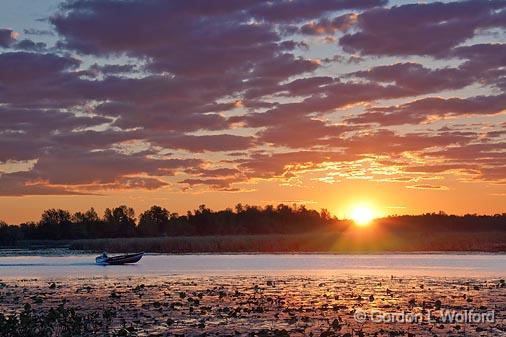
362,215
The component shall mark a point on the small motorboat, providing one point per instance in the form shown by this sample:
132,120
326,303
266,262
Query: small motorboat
120,259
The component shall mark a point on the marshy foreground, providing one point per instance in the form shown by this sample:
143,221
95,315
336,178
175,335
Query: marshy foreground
326,304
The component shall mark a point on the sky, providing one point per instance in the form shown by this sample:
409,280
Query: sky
397,105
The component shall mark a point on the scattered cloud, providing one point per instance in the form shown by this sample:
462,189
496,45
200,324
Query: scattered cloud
428,187
218,95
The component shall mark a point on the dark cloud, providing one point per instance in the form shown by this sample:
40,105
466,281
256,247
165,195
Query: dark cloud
488,54
308,132
130,83
484,62
20,67
328,27
21,183
183,38
289,11
68,171
418,79
7,37
421,110
489,159
41,122
19,146
482,153
90,139
386,142
422,29
222,142
327,97
71,167
27,133
29,45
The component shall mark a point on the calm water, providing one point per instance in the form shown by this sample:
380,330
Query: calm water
17,264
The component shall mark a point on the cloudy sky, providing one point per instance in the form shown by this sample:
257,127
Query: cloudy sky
397,104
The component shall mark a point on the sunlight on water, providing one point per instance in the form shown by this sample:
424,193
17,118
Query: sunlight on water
82,265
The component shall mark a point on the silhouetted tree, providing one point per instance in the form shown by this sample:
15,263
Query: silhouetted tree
56,223
120,221
154,221
8,234
88,224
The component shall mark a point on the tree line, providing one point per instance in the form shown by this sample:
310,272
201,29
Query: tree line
59,224
440,221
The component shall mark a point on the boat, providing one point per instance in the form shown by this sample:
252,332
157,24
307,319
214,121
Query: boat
119,259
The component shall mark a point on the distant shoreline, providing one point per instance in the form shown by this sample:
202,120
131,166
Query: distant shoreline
84,252
305,243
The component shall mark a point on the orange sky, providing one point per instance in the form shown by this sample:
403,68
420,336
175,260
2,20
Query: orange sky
340,198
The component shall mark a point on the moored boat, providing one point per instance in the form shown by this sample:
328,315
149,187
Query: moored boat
120,259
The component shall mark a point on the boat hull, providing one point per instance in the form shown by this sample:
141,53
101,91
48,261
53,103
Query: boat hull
121,259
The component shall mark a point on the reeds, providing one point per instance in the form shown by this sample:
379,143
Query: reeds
331,242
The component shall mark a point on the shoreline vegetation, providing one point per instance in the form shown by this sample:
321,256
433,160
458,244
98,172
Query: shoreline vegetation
252,229
302,243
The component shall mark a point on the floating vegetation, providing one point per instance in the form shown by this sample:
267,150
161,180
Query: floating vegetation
254,305
59,321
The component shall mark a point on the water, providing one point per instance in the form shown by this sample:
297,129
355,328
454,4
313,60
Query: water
20,264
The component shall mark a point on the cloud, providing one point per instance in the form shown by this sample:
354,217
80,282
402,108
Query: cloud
220,184
133,89
428,187
416,78
329,27
325,98
29,45
440,168
65,167
423,109
184,38
484,161
289,11
7,37
383,142
27,133
214,172
22,66
222,142
125,183
423,28
281,164
20,184
67,171
301,132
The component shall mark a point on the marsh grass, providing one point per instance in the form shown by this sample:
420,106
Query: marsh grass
325,242
213,244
